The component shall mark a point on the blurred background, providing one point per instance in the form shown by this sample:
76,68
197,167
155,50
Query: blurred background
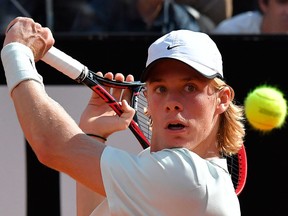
30,189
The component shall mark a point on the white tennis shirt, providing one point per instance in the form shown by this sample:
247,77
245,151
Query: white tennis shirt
168,182
248,22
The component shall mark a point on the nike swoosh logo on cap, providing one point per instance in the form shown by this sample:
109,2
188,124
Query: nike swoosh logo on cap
171,47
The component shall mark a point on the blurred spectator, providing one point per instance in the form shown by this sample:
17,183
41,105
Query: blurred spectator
271,17
243,5
120,15
167,15
107,15
65,12
139,16
12,8
216,10
57,15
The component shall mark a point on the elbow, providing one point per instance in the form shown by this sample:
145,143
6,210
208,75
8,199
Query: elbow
45,157
45,152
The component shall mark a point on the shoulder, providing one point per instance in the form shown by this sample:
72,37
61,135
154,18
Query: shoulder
175,173
157,165
246,22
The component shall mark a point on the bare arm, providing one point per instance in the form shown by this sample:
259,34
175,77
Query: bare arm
87,200
55,137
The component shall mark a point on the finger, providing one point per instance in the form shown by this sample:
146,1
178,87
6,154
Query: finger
127,93
130,78
99,73
117,92
128,112
95,98
18,20
10,26
12,23
110,76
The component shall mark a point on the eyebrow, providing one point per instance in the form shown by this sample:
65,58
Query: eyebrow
196,78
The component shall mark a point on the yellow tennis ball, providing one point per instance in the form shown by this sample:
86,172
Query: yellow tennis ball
265,108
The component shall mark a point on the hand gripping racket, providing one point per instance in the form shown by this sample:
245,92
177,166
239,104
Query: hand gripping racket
140,125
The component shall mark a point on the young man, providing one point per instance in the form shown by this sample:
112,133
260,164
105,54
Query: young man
194,120
270,18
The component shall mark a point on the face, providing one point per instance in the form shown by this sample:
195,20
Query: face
275,19
184,108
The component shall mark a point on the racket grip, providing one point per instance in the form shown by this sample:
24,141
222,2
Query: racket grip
64,63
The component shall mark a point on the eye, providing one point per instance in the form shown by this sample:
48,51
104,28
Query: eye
190,88
160,89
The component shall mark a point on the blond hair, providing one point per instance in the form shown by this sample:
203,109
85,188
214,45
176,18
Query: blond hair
231,130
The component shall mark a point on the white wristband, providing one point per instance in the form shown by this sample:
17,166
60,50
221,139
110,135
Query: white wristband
19,65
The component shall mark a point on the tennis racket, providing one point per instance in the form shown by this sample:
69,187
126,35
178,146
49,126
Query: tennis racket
237,167
140,125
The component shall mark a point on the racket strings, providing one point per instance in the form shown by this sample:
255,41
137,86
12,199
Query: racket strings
238,171
142,118
233,168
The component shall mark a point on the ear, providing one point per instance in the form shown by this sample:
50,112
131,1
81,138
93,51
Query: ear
262,6
224,99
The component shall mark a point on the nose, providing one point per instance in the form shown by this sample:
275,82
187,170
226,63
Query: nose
173,103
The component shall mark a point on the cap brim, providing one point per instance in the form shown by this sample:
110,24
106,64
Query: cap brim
203,70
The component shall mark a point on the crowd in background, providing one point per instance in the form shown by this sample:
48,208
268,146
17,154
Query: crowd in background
92,16
152,16
269,17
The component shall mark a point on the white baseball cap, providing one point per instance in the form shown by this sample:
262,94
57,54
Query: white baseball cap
196,49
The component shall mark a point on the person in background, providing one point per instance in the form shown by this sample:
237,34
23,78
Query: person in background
216,10
10,9
133,16
167,15
94,16
49,12
195,122
271,17
149,15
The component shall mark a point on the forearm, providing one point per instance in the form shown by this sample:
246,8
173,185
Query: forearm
48,119
40,117
87,200
55,137
47,127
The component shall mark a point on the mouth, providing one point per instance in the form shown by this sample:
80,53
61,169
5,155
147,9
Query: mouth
177,126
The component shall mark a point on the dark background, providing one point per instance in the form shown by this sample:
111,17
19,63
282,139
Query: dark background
248,61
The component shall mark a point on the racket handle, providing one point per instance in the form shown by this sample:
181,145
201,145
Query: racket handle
64,63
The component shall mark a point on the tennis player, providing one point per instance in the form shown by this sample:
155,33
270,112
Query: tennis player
194,123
